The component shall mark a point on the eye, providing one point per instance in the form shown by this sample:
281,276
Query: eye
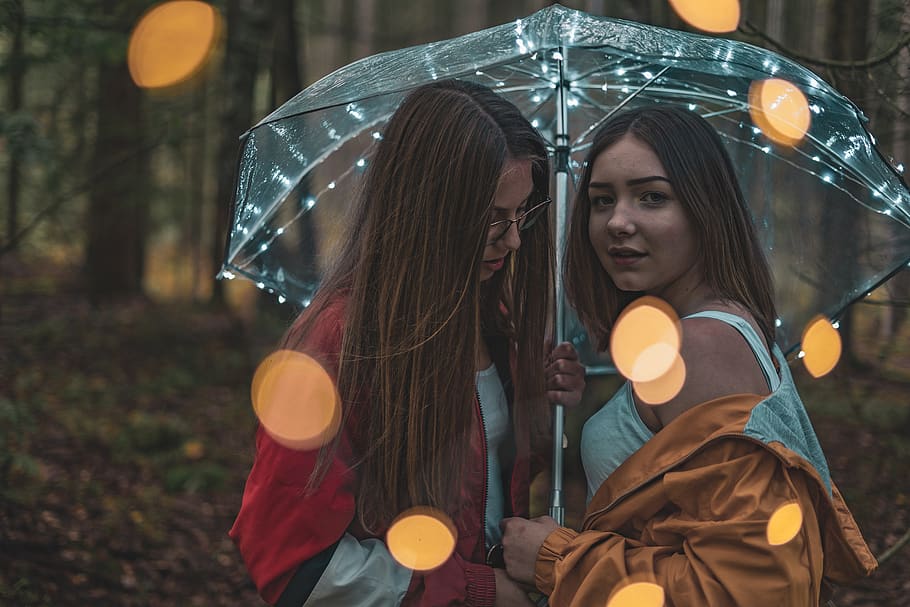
599,202
654,198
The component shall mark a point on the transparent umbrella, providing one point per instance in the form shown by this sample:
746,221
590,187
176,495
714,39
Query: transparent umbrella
832,212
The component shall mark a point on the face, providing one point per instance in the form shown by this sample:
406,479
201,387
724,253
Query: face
639,228
512,197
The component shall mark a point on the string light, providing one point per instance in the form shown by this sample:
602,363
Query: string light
856,151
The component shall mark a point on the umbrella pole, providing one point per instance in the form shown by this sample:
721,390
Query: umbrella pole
557,510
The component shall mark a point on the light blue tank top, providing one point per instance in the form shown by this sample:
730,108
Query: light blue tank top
616,431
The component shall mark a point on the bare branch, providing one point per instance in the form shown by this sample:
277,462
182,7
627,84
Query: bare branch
60,199
750,30
894,548
886,98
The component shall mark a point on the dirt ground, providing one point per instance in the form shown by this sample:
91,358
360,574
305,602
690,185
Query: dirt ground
126,435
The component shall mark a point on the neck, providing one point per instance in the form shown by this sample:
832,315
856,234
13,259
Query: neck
482,359
689,294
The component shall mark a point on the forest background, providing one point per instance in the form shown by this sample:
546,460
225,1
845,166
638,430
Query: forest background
125,419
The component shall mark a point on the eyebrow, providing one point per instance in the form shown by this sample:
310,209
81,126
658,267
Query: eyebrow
639,181
526,200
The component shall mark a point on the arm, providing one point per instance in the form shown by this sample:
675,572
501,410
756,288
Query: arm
280,528
719,362
706,543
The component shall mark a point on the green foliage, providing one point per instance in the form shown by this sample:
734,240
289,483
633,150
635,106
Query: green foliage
150,434
24,592
16,427
22,135
196,478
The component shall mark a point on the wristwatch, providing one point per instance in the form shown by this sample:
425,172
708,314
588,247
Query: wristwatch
495,557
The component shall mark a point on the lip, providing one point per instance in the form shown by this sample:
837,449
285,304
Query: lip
625,256
495,264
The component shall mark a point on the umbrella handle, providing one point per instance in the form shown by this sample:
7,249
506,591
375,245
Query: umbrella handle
557,511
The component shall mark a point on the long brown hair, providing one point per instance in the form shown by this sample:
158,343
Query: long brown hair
410,269
703,177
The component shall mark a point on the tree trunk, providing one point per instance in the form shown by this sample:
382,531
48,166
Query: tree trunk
196,163
471,17
848,40
16,67
287,78
118,201
246,27
898,288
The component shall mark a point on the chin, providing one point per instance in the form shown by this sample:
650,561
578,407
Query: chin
623,284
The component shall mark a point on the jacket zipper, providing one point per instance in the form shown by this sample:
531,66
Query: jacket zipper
486,472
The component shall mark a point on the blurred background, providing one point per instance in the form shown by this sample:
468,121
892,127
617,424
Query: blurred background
125,420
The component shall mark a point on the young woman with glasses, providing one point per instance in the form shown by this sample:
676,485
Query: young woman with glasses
433,322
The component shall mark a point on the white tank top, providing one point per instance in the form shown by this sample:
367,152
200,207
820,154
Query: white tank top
495,409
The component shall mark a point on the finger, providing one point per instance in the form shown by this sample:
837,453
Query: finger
565,381
565,365
565,350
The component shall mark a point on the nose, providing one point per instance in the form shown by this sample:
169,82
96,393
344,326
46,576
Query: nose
621,221
512,238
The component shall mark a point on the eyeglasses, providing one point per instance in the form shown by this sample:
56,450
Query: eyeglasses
527,219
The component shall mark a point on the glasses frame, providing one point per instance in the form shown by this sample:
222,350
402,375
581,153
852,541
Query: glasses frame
521,228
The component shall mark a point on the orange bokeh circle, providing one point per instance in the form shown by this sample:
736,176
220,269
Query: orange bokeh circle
172,42
296,400
780,110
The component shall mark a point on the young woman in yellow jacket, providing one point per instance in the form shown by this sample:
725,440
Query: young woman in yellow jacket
681,494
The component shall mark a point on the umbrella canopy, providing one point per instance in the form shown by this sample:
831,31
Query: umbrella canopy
831,212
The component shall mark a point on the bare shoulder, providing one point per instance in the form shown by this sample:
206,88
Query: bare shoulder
718,361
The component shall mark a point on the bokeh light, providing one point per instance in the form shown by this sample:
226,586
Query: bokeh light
421,538
784,524
715,16
821,346
637,594
645,340
664,388
296,400
780,110
172,42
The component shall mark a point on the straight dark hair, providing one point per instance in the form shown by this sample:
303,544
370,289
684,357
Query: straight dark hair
701,171
410,272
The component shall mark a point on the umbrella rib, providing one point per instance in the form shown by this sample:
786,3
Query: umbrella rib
849,174
297,216
601,69
403,89
287,192
844,170
624,102
805,170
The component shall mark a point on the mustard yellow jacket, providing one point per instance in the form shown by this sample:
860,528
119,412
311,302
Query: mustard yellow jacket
689,511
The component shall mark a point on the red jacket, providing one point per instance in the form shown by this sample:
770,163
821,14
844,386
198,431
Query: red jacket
278,527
